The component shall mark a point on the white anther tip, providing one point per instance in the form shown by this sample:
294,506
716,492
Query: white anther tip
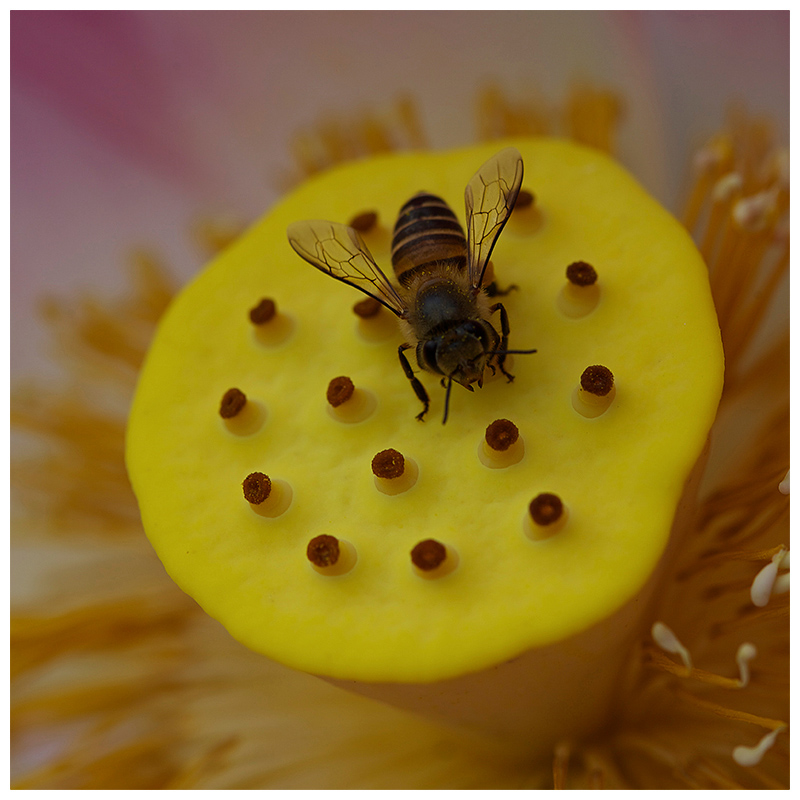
744,655
750,756
763,583
668,641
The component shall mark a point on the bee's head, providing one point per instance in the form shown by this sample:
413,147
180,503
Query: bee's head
461,353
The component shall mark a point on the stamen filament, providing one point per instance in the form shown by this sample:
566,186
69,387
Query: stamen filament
712,161
560,765
743,326
752,617
746,652
730,713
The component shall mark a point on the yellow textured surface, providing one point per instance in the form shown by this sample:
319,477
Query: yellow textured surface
620,474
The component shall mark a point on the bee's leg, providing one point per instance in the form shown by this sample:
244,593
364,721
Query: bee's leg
505,329
418,388
494,291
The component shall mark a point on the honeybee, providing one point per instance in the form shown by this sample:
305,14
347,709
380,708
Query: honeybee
442,306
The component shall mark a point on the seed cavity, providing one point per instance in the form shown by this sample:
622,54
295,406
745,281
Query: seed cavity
595,393
393,472
581,293
346,403
546,516
502,445
267,497
270,327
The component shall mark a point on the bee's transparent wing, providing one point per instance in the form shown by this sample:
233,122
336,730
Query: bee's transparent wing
341,253
490,196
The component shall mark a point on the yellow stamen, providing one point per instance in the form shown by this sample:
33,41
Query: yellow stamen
730,713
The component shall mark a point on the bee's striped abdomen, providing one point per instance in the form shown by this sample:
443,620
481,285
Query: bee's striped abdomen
427,232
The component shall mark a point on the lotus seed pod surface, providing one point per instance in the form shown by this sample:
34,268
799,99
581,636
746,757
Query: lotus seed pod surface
506,583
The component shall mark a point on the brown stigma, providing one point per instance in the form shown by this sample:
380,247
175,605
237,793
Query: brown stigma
366,308
257,487
365,221
323,550
428,555
501,434
525,199
597,380
546,508
340,390
388,464
579,273
233,401
263,312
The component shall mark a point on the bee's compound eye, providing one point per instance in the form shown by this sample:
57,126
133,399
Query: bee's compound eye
478,331
429,354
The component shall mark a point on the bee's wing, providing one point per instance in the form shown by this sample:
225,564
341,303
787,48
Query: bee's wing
490,196
341,253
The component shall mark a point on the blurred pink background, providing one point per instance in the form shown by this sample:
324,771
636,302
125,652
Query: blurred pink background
128,126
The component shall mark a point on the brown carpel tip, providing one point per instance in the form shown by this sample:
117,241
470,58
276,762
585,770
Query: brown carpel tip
597,380
233,401
323,550
365,221
546,508
257,487
579,273
525,199
340,390
428,554
388,464
501,434
263,312
366,308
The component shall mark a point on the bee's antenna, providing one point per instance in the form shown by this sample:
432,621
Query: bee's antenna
447,399
507,352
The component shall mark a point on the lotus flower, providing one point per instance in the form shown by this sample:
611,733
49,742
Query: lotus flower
175,129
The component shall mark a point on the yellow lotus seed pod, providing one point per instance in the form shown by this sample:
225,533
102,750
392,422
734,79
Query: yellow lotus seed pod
486,574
